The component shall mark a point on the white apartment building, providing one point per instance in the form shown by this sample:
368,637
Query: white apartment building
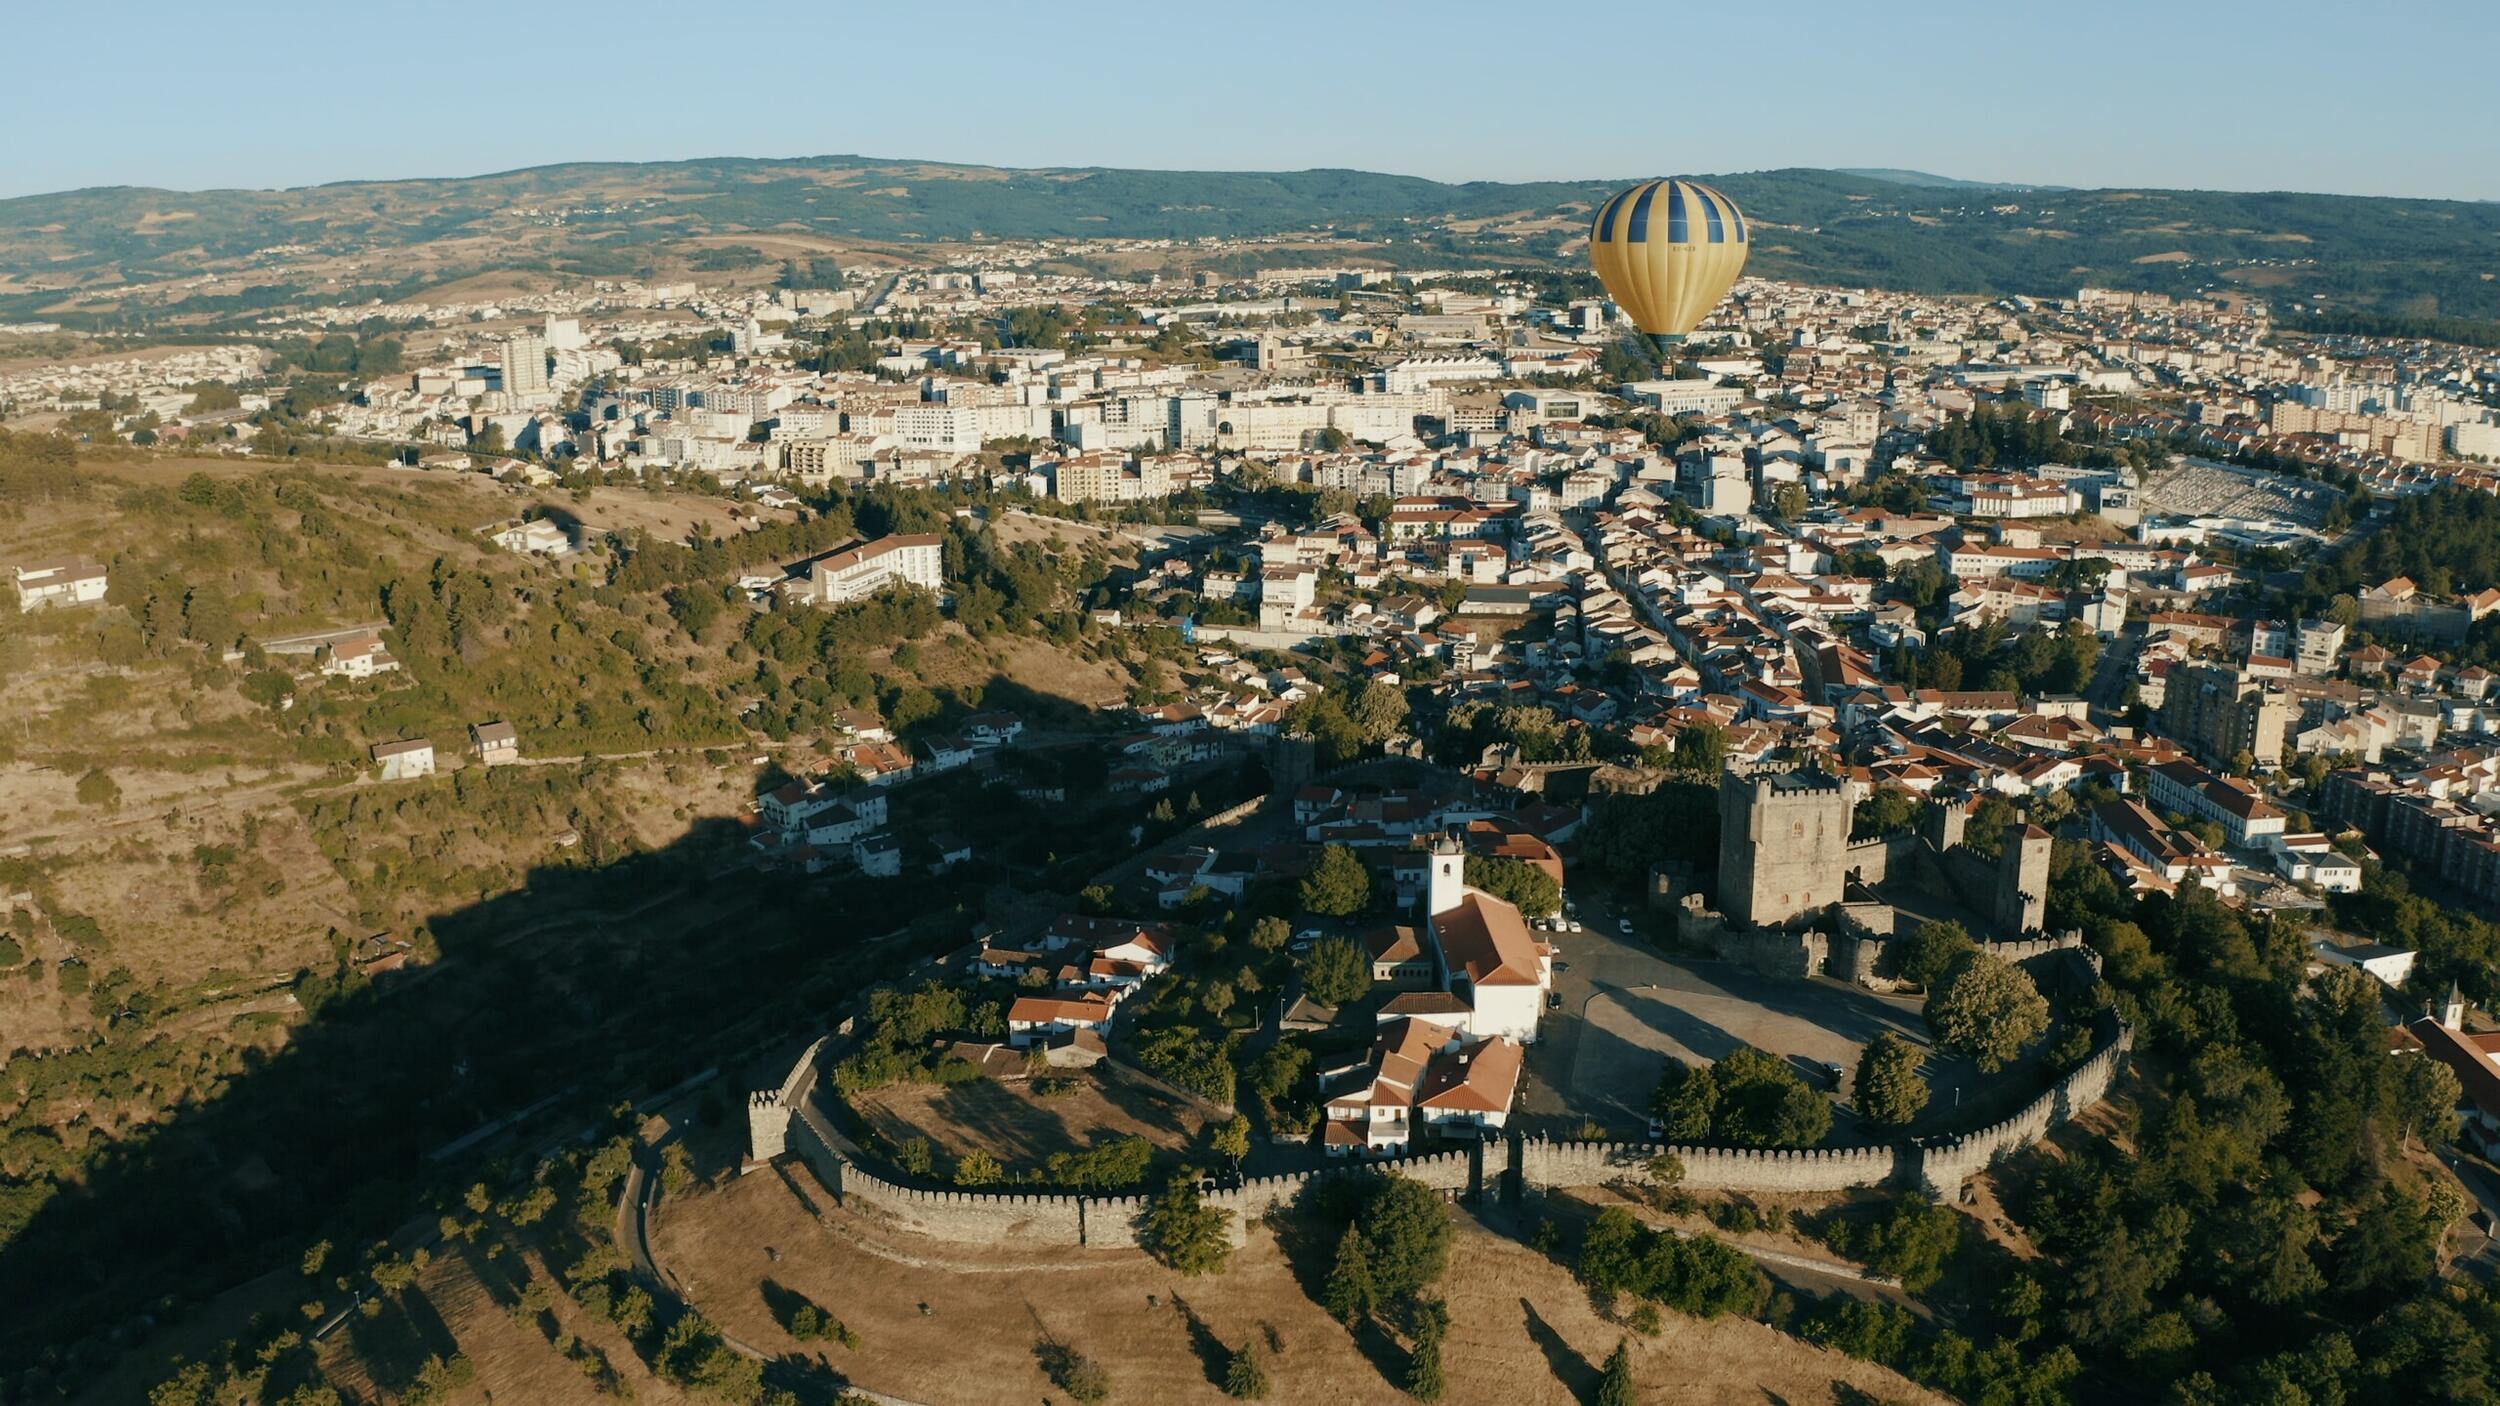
1418,372
951,429
1684,397
525,364
856,573
2317,645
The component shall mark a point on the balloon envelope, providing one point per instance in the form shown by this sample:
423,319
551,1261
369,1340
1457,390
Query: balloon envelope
1667,252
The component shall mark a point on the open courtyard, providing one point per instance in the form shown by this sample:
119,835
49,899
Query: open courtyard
1627,1007
1022,1121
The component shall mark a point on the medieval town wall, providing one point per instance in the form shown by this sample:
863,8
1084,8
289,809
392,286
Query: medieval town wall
1947,1163
1553,1165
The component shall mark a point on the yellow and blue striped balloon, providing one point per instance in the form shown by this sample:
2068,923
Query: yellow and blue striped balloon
1667,252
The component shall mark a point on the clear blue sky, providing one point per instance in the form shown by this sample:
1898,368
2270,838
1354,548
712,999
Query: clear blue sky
2220,94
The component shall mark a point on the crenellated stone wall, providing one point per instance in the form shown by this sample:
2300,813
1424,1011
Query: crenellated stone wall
1946,1163
1545,1165
977,1217
2070,940
1872,860
1094,1222
788,1120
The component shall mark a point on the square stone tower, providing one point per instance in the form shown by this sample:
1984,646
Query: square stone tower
1783,844
2023,881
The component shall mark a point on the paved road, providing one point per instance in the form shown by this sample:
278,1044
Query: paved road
2108,688
311,642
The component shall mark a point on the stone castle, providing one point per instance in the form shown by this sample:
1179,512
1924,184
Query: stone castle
1791,878
784,1121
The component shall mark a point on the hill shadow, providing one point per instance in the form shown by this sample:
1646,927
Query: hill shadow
590,983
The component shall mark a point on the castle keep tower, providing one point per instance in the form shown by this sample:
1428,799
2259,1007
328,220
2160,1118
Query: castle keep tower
2023,881
1783,844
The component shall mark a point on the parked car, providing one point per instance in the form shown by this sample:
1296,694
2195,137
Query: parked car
1553,1000
1624,925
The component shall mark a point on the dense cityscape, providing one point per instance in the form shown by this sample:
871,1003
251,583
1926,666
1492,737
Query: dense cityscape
1492,805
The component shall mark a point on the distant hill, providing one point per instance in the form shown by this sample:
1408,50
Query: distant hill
1931,181
1891,229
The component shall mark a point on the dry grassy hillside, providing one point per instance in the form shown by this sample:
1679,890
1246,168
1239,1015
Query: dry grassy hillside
1522,1332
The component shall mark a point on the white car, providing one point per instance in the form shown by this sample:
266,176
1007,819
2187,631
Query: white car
1574,925
1624,925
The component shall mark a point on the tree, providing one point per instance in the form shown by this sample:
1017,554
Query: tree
1789,501
1186,1233
2426,1099
1989,1009
1336,971
1338,886
1424,1377
1271,934
977,1168
1890,1091
1615,1387
1911,1243
1406,1237
1337,738
1701,751
1245,1377
1428,1323
1232,1141
1686,1102
1930,951
1350,1295
1764,1103
1525,886
1380,711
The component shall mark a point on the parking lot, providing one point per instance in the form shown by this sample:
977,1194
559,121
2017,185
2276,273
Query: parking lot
1627,1006
2205,488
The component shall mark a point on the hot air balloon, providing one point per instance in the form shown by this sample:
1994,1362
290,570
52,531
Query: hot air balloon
1667,252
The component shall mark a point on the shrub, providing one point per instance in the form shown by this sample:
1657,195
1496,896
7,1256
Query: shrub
1911,1243
1081,1377
1696,1274
99,790
1245,1377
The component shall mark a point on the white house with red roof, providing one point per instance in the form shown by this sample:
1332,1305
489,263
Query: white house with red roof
1045,1018
1422,1075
